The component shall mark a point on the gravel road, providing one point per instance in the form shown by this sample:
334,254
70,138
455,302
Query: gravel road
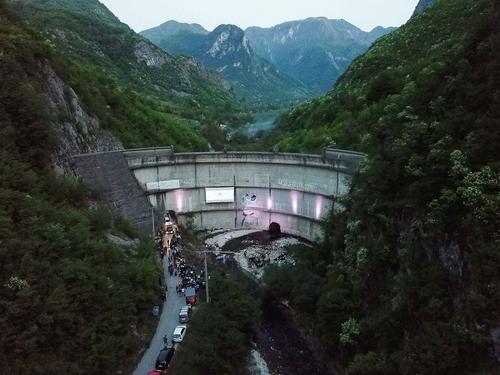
168,321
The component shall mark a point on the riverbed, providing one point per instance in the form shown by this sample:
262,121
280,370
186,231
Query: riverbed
282,347
279,347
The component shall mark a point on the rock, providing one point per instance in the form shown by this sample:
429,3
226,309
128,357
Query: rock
118,241
495,337
274,228
150,55
78,131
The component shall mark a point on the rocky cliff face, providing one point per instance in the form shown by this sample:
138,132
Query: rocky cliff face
422,6
151,56
78,132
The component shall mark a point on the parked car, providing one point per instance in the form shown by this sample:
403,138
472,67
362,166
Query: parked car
185,314
191,297
179,333
164,358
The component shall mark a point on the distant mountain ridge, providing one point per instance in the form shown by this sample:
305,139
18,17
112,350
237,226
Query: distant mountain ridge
228,51
171,28
315,51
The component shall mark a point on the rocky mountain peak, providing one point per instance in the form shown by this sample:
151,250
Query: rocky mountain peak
233,29
228,39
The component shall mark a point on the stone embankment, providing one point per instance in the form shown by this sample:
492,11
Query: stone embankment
108,173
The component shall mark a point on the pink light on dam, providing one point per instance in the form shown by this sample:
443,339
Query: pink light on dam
179,199
295,201
269,203
319,204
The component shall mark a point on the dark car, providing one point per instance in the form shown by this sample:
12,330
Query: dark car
164,358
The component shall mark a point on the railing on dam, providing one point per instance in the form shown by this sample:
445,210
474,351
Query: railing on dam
330,158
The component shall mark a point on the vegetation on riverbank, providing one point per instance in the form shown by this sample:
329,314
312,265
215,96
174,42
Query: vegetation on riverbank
220,334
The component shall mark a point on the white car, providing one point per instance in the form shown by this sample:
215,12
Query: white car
179,333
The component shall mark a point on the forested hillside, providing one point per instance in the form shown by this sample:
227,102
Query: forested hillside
410,268
71,301
145,96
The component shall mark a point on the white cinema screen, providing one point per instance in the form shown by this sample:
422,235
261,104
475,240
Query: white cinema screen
219,195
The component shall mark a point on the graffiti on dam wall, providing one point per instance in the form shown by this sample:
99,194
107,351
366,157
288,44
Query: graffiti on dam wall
248,205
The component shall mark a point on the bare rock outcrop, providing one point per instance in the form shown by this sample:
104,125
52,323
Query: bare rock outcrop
78,131
150,55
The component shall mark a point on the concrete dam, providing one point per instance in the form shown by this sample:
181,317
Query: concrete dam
224,190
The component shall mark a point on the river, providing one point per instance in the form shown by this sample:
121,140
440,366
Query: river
262,121
280,346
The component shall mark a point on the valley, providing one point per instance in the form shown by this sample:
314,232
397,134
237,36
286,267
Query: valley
334,187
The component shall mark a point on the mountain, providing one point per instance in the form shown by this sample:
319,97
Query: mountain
422,6
228,51
171,28
410,264
315,51
113,66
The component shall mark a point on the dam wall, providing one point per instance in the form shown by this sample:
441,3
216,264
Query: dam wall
235,190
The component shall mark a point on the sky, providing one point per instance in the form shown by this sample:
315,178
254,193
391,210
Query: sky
366,14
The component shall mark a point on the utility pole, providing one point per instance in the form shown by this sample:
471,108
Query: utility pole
205,252
206,277
153,221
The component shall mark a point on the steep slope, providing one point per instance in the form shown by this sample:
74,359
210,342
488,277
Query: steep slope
171,94
69,299
315,51
410,267
422,6
227,50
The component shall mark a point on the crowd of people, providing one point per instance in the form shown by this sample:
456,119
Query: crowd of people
188,275
177,265
167,250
